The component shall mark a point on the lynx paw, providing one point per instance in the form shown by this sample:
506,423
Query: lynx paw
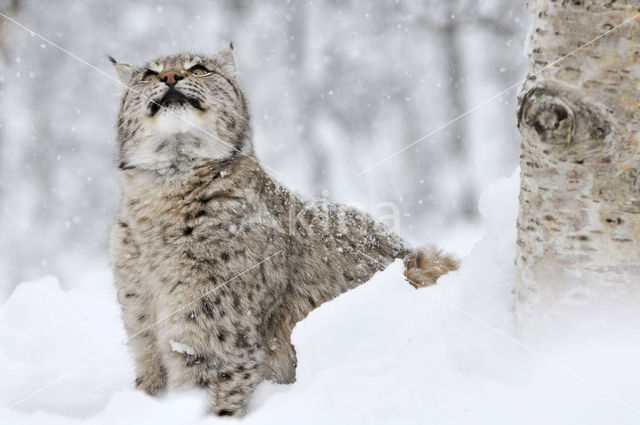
424,266
152,382
229,411
229,408
282,363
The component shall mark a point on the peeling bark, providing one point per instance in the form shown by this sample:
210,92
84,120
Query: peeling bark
579,219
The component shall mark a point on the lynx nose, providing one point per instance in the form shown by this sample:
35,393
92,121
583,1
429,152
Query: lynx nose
170,77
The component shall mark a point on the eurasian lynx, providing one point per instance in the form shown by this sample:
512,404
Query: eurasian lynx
214,261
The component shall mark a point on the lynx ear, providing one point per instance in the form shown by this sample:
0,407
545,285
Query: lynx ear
225,60
124,72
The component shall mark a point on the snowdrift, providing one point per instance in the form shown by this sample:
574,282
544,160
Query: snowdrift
382,353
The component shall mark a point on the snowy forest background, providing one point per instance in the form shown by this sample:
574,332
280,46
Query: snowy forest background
334,86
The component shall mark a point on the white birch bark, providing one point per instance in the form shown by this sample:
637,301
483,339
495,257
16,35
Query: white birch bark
579,119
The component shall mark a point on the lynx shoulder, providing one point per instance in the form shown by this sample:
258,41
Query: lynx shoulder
214,261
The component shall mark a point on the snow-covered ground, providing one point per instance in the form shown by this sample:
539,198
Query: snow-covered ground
382,353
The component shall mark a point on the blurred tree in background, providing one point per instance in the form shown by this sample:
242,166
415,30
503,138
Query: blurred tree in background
335,87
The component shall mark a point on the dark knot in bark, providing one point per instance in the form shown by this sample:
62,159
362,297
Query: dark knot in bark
546,120
560,118
549,116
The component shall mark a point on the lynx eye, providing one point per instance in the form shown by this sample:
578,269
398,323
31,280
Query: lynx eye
148,74
199,70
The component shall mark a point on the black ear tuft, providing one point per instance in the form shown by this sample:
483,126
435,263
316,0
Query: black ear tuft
231,45
112,60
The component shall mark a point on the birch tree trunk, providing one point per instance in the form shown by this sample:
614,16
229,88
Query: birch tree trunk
579,219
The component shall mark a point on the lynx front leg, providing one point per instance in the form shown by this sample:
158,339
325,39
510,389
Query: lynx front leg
151,374
229,382
212,347
137,311
232,388
228,374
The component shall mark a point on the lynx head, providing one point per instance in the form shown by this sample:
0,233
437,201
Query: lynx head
181,109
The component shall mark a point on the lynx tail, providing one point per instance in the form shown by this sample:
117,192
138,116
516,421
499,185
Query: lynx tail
425,265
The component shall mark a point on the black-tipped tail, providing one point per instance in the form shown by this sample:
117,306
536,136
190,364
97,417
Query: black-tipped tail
425,265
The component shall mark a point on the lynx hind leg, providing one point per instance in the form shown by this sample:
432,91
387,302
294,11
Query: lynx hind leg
282,359
425,265
282,363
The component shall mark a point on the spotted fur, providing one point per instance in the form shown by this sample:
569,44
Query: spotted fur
214,261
